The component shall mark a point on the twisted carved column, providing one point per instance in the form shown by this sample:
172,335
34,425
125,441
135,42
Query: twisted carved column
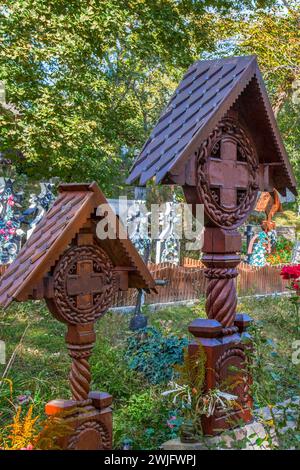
80,376
221,300
221,257
80,340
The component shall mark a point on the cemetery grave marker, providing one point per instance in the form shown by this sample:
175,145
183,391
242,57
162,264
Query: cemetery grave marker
264,242
78,274
219,140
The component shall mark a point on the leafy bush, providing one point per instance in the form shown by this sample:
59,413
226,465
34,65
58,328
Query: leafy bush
154,355
144,421
282,252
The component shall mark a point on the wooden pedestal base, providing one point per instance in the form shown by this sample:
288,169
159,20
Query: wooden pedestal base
91,421
226,369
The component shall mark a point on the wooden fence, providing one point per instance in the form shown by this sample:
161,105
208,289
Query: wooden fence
187,282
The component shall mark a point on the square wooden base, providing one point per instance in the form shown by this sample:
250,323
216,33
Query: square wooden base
226,370
90,424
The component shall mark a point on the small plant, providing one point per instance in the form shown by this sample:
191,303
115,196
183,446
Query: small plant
29,432
154,354
199,310
189,395
282,252
145,421
22,431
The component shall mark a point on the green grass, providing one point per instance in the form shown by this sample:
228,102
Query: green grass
288,218
41,364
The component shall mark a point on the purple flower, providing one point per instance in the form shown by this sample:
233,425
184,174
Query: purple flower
23,399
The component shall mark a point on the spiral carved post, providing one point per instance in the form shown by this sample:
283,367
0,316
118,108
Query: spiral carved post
221,298
221,333
221,257
80,341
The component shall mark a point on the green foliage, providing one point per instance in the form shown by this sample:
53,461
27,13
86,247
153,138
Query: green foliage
282,252
288,218
199,309
153,354
141,413
192,371
143,420
110,370
91,79
273,334
273,35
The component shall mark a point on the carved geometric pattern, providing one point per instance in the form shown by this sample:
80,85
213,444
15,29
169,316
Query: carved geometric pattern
91,426
99,285
227,217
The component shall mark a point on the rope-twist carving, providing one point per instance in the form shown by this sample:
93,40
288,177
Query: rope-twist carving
221,273
104,441
244,395
80,375
80,378
221,300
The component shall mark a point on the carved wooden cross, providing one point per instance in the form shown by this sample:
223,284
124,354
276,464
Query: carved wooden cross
228,174
85,283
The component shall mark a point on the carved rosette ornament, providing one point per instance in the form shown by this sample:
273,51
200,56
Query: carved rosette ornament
214,175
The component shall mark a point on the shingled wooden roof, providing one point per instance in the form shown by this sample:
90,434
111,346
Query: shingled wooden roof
206,93
75,204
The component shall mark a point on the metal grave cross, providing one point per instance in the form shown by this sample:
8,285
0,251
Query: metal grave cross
228,174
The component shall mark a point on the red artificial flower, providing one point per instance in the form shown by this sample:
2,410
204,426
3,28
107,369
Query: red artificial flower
290,272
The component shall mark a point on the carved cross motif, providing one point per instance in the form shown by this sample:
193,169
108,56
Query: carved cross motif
85,283
228,174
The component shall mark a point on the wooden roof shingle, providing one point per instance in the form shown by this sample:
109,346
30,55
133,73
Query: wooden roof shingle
206,93
72,208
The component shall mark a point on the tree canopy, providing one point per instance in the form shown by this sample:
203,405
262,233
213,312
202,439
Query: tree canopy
91,78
